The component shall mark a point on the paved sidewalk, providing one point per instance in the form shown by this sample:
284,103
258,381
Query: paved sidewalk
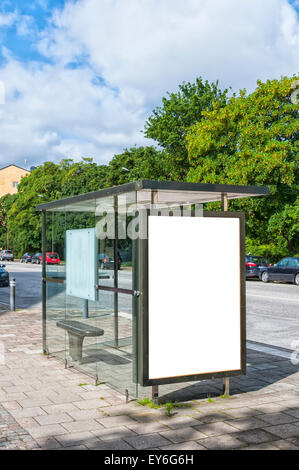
45,406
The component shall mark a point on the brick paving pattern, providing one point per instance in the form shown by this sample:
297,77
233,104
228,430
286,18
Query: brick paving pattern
45,406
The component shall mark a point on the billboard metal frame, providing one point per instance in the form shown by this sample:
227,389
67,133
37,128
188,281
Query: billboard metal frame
143,313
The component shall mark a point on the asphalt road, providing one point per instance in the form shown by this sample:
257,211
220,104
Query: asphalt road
272,309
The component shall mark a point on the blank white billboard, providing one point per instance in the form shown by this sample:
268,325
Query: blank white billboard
194,295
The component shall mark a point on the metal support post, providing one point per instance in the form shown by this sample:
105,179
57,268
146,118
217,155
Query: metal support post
224,202
225,386
155,394
85,308
44,284
115,254
224,207
12,294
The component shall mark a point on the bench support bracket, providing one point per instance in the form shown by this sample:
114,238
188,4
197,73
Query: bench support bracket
75,343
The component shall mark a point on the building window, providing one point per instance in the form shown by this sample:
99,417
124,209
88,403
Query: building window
15,184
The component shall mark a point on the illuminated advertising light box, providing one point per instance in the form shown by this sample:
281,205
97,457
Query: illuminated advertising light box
81,263
194,314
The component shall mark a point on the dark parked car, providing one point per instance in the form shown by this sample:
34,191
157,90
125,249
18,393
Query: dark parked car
37,258
6,255
4,276
254,264
26,258
107,262
286,270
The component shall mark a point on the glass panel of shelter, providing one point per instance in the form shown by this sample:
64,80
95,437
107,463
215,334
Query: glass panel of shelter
107,355
55,284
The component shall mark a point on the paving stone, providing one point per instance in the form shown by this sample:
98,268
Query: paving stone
242,412
88,404
59,408
190,445
48,443
34,402
255,436
245,424
221,442
115,421
285,445
278,418
79,447
293,411
146,442
113,433
46,431
178,422
284,430
262,446
215,429
80,415
123,409
53,419
147,428
269,408
117,444
78,426
181,435
204,417
74,439
27,422
28,412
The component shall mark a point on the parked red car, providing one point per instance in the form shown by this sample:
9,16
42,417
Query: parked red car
51,258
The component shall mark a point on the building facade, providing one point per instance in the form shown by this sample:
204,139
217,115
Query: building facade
10,177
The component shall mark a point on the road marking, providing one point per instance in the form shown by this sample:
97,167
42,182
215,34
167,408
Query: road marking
272,297
269,350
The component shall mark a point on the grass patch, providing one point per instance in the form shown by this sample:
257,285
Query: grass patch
147,402
169,406
210,400
225,396
82,385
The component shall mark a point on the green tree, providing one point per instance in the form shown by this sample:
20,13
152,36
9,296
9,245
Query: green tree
135,164
169,123
82,177
42,185
6,203
253,140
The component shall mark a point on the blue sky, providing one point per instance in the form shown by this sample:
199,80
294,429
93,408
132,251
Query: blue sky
82,76
38,14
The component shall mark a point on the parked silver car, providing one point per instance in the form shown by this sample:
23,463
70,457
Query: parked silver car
6,255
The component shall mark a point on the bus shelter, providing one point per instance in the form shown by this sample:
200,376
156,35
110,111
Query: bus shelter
150,290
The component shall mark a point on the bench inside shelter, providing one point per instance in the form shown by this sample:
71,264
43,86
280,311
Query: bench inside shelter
77,331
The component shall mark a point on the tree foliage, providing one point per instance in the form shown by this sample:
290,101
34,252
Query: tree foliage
169,123
136,163
253,140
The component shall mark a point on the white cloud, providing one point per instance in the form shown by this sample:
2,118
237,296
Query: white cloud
7,19
141,49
